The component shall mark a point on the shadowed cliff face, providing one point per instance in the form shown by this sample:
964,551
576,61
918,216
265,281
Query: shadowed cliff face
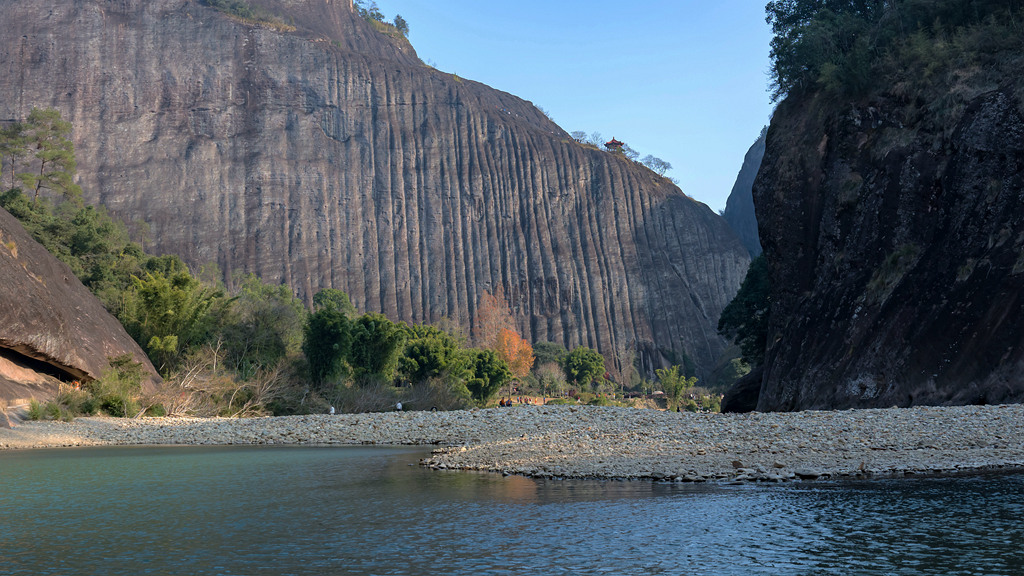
332,157
52,328
897,256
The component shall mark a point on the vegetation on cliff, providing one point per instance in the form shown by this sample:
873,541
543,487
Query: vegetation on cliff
910,51
745,319
855,48
372,14
250,14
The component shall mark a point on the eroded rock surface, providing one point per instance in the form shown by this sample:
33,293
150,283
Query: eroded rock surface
330,156
897,255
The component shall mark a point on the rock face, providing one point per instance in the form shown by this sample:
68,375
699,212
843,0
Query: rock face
330,156
52,329
739,208
897,255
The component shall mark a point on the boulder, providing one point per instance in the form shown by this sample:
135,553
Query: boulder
743,395
52,329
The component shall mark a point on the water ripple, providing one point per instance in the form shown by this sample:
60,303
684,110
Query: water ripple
366,511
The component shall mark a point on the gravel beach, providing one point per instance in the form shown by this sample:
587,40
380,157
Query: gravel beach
613,443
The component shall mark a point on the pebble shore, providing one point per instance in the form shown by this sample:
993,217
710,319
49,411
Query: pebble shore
613,443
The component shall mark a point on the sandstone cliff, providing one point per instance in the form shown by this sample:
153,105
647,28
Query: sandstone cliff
897,252
52,328
739,208
330,156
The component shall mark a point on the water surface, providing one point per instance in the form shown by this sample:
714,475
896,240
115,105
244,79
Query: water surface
372,511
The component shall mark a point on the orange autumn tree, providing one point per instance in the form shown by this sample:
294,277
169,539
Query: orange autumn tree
494,329
516,352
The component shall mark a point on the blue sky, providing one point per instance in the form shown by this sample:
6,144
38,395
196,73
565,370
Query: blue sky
683,80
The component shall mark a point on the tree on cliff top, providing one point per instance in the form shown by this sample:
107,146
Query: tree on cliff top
840,44
401,25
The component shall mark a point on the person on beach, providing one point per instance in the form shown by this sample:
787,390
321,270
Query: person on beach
398,407
332,411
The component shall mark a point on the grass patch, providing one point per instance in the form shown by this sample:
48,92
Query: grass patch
245,12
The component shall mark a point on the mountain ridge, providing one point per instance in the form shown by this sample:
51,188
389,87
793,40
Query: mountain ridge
332,157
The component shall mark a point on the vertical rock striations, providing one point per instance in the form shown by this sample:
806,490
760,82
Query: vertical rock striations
330,156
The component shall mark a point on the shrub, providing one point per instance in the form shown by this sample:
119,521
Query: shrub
76,401
35,410
117,392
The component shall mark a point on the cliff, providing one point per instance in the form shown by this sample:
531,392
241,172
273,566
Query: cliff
52,328
739,208
894,228
325,154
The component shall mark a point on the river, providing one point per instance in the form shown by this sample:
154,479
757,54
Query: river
373,511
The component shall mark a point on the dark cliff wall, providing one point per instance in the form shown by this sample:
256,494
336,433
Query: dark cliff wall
330,156
50,324
739,208
897,253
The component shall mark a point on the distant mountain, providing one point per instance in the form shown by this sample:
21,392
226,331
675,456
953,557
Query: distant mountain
739,208
313,147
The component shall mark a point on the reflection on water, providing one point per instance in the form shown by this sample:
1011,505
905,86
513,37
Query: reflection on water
366,511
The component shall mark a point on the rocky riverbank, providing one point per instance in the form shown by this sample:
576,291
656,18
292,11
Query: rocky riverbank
591,442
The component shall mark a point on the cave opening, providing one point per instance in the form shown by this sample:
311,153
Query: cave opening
39,366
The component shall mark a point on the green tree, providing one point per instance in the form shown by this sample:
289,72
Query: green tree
377,344
549,353
13,149
54,158
263,326
745,319
370,12
675,383
490,373
401,25
583,365
326,345
430,353
169,315
333,298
